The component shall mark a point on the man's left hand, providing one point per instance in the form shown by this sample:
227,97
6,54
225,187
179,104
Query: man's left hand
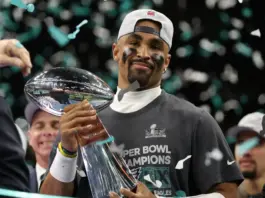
12,54
141,192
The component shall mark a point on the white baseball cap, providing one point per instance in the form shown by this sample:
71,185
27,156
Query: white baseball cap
251,122
129,24
30,111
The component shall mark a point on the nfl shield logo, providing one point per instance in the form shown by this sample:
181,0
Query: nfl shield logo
151,13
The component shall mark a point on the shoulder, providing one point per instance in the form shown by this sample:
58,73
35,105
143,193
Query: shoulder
4,108
181,106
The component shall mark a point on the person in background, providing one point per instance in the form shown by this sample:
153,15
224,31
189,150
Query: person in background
252,162
42,133
14,174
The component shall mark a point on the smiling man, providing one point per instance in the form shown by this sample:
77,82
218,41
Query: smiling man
166,138
42,133
252,162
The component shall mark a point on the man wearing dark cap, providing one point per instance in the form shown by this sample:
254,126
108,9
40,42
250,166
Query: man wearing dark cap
42,133
250,153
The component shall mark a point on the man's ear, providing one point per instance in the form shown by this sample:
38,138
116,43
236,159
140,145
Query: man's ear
115,52
167,61
29,134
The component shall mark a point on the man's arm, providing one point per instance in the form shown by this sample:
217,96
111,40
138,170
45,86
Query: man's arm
14,173
219,176
54,187
228,190
51,185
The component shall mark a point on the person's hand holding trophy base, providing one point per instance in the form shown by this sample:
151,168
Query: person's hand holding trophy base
80,123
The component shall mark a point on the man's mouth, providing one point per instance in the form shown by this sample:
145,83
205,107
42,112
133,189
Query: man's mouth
141,65
46,144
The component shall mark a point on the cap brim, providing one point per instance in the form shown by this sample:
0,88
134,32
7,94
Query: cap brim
30,110
237,130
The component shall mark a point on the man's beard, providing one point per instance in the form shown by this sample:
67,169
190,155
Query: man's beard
141,76
250,174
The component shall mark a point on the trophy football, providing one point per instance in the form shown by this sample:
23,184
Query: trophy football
56,88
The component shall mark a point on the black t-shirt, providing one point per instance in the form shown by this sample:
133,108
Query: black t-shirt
160,135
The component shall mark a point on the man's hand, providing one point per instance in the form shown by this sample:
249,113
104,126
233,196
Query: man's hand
141,192
80,123
11,55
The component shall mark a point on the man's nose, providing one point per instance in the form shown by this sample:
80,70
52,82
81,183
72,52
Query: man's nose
144,53
49,132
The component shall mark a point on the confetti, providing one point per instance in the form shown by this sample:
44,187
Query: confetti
247,145
73,35
180,164
20,4
157,183
215,154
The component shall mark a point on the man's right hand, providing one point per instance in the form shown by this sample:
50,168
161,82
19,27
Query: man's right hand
80,121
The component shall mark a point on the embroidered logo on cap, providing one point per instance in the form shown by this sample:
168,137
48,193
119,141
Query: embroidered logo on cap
151,13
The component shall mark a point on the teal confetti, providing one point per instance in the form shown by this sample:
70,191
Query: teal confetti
247,12
248,145
110,139
13,193
73,35
125,6
217,102
186,36
243,49
32,34
172,84
230,140
205,53
224,18
224,35
217,84
180,194
20,4
55,10
80,11
60,37
244,99
19,45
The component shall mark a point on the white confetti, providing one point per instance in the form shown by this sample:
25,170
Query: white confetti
157,183
219,116
180,164
258,60
261,99
195,76
116,149
215,154
230,74
256,33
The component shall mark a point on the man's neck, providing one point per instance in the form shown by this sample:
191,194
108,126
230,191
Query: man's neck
42,161
253,186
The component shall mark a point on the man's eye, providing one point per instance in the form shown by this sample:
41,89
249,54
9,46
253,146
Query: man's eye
133,43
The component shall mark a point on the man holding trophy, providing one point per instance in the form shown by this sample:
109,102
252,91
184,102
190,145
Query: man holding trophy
166,139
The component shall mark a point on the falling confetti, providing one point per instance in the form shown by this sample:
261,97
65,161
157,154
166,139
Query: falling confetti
215,154
20,4
73,35
180,164
248,145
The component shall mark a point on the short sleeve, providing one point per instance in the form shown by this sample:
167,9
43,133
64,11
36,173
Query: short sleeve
206,171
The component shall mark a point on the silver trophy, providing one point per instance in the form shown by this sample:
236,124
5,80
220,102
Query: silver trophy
56,88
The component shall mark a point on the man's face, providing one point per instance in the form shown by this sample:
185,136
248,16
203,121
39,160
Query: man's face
42,133
252,163
142,57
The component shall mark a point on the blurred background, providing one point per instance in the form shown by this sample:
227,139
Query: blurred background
218,50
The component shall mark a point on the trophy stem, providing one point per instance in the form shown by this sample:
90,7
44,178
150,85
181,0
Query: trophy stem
106,171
